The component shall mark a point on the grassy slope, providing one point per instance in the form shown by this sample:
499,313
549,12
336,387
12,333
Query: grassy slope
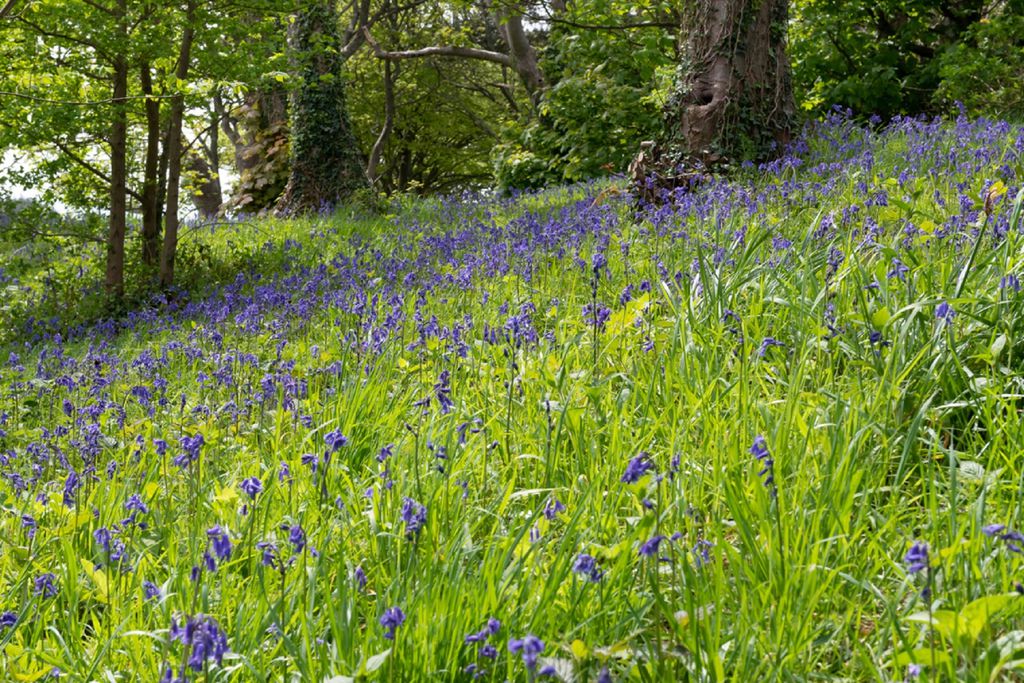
913,433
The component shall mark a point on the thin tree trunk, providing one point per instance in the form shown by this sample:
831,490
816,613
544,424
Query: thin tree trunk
151,183
389,120
174,152
114,280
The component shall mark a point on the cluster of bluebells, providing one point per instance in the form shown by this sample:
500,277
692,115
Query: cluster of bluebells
586,566
414,515
1013,539
530,647
204,639
484,649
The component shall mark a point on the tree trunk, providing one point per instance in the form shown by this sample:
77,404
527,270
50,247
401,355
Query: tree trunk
733,97
206,193
150,183
114,280
174,152
326,164
377,154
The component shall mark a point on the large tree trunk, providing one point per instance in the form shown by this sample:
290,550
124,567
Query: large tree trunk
733,97
174,153
150,183
326,164
114,280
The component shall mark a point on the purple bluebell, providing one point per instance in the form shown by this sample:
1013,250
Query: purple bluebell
204,638
392,618
150,590
529,647
45,585
414,515
916,558
335,440
944,312
649,548
220,541
251,487
587,566
637,468
552,508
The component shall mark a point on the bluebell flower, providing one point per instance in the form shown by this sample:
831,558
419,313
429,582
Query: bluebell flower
220,541
45,585
270,555
529,647
944,312
251,487
637,468
552,508
360,577
414,515
392,618
335,440
296,536
204,638
587,566
760,451
8,620
768,343
649,548
916,558
150,590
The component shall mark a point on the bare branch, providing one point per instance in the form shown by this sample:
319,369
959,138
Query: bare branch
90,167
438,51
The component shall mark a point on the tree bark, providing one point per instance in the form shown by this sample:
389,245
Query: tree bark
150,183
524,57
733,97
390,74
326,163
174,152
114,277
206,193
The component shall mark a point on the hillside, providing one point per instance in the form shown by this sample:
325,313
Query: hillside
768,429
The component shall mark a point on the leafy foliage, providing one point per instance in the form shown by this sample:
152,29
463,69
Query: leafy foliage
607,88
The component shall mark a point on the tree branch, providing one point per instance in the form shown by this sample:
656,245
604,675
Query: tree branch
7,8
438,51
89,167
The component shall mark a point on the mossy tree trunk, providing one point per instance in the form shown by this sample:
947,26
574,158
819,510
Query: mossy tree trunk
326,163
733,97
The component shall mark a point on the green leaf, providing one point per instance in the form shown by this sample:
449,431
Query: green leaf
376,661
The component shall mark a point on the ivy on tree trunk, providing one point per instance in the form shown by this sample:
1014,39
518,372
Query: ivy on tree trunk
326,163
733,96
